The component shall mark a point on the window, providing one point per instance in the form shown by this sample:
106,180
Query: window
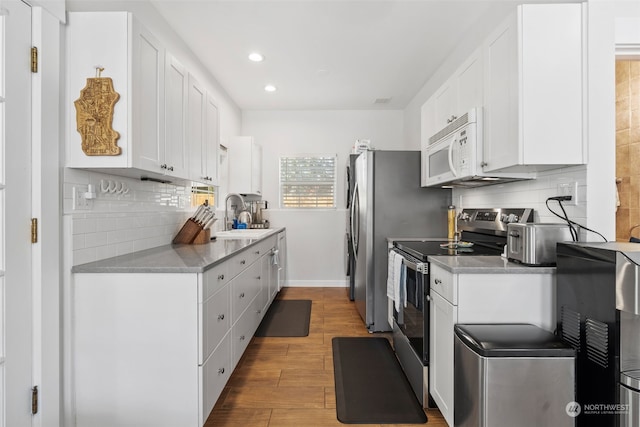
308,181
201,193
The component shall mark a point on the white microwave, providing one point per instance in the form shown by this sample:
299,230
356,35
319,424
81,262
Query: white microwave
453,157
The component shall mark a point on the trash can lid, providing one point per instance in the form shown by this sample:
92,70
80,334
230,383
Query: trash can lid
512,340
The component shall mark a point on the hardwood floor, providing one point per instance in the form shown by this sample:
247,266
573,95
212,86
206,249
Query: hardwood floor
289,381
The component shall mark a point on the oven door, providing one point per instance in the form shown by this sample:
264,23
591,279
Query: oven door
413,318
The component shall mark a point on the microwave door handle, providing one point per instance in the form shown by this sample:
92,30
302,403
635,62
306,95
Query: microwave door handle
453,169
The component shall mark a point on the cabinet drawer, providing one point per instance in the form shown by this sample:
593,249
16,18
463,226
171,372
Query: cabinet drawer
214,279
240,262
215,321
244,287
243,330
214,374
444,283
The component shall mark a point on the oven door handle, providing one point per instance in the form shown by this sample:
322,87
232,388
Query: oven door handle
410,264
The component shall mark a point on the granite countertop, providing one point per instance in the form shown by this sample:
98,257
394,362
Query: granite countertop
173,258
485,265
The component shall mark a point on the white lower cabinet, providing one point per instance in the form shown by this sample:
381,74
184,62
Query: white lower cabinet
156,349
479,298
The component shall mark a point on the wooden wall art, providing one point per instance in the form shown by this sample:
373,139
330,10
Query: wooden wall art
94,116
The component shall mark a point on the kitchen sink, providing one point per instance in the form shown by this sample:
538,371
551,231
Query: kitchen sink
249,233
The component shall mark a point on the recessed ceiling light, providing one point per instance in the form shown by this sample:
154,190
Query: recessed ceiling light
270,88
256,57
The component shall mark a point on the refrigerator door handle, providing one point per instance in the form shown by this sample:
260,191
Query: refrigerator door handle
354,236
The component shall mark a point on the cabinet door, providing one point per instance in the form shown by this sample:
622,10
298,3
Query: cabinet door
216,321
445,104
176,80
442,317
148,99
245,166
500,112
195,129
213,376
469,81
212,142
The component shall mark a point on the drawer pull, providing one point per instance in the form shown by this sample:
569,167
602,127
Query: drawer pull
220,371
259,311
221,277
220,316
437,281
163,166
242,295
257,252
170,168
243,262
258,278
242,338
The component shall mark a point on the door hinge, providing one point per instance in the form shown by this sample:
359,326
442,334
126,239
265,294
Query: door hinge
34,59
34,230
34,400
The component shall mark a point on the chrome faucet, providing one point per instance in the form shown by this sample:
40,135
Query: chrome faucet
228,222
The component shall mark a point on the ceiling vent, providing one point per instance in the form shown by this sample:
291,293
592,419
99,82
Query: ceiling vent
382,100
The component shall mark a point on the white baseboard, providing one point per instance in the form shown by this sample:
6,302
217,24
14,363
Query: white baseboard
316,284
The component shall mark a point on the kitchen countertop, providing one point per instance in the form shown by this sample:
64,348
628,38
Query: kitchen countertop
485,265
173,258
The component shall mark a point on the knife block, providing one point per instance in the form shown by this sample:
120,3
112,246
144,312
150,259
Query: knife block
188,233
203,237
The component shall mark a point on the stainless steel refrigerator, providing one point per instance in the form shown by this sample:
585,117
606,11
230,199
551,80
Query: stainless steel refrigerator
387,201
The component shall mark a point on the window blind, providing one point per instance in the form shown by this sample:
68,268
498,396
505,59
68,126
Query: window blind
308,181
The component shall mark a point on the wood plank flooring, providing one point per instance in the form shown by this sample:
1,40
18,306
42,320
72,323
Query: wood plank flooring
289,381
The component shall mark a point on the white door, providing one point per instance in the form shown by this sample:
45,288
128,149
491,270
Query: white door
15,213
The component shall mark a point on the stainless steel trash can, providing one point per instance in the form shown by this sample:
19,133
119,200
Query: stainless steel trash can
510,375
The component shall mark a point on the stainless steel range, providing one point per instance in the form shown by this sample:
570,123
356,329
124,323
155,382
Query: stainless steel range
486,230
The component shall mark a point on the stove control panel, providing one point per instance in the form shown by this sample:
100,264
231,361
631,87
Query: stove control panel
492,219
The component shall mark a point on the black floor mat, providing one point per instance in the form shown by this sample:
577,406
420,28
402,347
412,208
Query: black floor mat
286,318
371,387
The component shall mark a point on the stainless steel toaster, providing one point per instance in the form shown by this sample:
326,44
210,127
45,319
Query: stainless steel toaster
535,243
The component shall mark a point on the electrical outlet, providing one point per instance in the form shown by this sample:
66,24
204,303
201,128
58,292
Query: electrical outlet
80,201
568,189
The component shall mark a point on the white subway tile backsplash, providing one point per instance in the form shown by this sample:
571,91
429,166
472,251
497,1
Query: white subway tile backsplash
147,216
530,194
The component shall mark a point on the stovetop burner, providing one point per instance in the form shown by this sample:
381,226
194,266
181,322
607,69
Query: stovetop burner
485,228
422,249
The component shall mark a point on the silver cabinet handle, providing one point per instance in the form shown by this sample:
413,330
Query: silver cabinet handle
220,371
242,295
437,281
170,168
242,338
483,164
163,166
258,278
220,316
259,311
221,277
243,262
257,252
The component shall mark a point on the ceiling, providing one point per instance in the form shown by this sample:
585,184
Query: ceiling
324,54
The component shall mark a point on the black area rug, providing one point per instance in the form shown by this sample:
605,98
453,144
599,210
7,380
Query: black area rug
286,318
371,387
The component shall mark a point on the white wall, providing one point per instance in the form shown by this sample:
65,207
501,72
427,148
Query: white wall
315,238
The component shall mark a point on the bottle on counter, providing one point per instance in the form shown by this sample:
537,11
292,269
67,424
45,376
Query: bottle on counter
451,223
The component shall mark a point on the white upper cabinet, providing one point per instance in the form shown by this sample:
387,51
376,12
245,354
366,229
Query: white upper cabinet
212,141
245,166
459,94
175,147
167,124
197,97
534,89
203,134
134,59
